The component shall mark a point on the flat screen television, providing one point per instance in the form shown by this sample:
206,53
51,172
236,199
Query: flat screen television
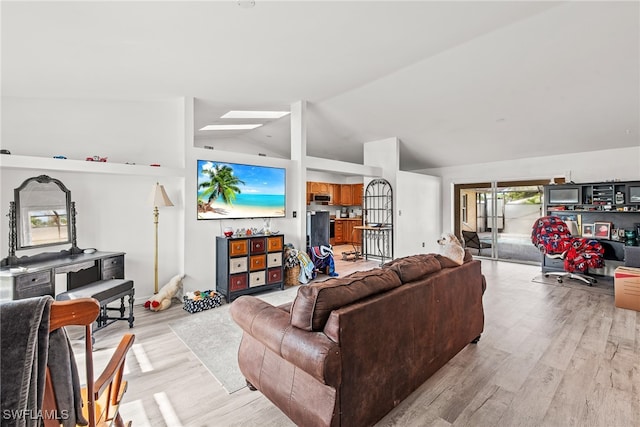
234,191
563,195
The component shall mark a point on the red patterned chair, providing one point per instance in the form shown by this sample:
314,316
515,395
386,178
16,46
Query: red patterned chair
551,235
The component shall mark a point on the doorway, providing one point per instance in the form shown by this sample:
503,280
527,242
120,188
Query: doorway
501,213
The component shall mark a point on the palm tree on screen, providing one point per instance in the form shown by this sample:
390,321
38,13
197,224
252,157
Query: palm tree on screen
223,183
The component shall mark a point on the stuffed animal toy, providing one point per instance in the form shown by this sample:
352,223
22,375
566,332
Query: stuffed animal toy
162,300
451,248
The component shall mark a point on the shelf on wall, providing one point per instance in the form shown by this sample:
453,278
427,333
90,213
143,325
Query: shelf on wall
47,163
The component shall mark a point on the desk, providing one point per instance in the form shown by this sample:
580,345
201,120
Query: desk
376,238
35,276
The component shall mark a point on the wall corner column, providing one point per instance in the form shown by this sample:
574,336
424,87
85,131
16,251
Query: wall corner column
298,181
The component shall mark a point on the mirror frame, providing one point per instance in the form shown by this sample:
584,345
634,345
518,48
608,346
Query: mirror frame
19,232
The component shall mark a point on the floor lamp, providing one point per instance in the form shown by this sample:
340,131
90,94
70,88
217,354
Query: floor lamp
158,198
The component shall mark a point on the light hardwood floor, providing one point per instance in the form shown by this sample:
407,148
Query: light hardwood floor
549,356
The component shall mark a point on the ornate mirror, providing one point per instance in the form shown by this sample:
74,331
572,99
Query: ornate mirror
43,206
42,214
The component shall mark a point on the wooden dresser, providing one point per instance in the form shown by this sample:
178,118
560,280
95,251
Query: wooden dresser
36,277
249,264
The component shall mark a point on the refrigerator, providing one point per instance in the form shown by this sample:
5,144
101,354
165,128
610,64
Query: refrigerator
317,228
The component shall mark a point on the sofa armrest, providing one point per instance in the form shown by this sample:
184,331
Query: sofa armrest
313,352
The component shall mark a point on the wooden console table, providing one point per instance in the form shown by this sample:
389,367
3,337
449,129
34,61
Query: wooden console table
36,276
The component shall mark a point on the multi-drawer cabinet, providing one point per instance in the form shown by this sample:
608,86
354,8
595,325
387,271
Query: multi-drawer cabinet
246,265
37,276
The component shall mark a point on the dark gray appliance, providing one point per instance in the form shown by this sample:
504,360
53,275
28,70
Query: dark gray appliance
318,228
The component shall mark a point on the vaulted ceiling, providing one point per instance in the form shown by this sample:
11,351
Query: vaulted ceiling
456,82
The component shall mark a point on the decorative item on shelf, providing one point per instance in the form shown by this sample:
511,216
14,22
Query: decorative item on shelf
602,230
615,234
59,156
157,198
630,238
156,165
4,151
587,230
228,231
267,226
96,159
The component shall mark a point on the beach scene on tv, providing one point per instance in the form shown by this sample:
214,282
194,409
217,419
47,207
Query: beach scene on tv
230,190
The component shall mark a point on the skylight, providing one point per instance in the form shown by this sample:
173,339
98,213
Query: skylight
231,127
236,114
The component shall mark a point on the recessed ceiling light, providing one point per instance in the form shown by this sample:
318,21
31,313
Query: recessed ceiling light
254,114
230,127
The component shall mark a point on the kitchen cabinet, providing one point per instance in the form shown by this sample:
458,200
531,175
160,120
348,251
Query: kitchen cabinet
357,235
339,231
334,191
346,198
348,231
319,188
358,190
341,194
345,232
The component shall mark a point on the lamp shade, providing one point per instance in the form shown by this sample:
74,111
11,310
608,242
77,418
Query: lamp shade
159,196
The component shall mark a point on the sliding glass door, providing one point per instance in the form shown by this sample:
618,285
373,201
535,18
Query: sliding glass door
501,215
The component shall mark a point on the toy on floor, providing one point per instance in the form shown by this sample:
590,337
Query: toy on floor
451,247
162,300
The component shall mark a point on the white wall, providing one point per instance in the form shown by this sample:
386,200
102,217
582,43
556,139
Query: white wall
113,210
606,165
141,132
200,235
417,200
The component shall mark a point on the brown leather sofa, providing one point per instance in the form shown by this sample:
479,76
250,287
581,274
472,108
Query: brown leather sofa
350,349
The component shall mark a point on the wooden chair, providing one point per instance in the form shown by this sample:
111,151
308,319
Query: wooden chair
471,240
102,397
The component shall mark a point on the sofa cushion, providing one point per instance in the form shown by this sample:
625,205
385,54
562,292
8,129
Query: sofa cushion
413,267
314,303
448,263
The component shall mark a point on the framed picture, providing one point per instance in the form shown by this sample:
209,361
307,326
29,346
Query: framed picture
614,234
587,230
602,230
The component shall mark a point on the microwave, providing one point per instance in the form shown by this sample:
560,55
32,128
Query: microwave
321,198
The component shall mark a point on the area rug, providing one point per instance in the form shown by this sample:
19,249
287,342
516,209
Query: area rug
604,285
213,337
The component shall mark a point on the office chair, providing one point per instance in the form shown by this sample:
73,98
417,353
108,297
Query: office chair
551,235
470,239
